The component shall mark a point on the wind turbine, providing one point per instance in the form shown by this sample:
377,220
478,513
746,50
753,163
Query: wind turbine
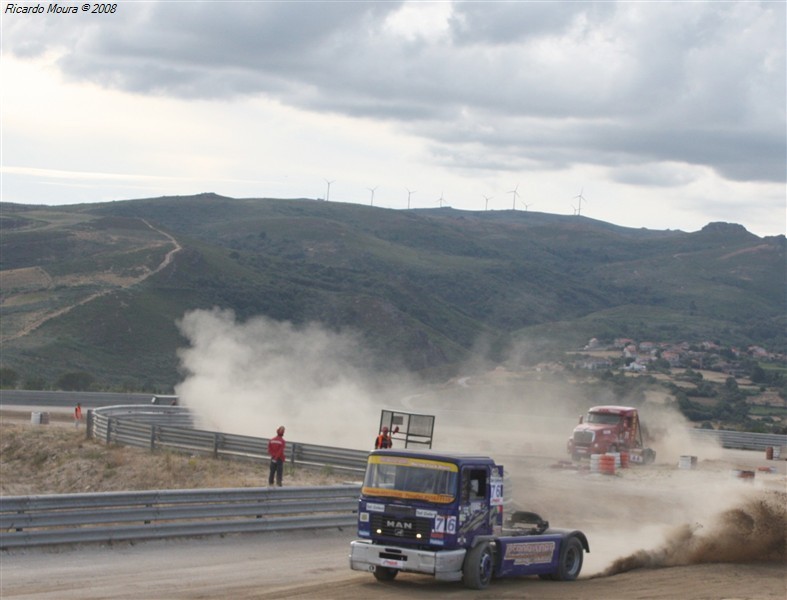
441,199
486,202
528,205
372,191
579,197
515,193
328,192
409,193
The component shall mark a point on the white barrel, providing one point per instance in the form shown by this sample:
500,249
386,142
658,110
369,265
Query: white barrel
687,462
777,452
35,418
594,460
617,458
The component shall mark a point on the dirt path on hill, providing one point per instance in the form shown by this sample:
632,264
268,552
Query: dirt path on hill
35,324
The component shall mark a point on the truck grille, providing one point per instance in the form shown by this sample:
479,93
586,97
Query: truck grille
583,438
402,527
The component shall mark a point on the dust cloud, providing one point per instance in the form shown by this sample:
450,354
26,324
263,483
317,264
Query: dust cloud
250,377
754,531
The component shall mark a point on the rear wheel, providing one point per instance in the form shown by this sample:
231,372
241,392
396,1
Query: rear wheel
385,573
478,567
570,562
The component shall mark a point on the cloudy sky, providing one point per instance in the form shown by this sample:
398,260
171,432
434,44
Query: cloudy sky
661,115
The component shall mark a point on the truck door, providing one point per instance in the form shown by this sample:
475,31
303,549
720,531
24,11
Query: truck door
476,516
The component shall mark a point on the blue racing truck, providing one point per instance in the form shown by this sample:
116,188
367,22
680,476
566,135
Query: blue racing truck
442,515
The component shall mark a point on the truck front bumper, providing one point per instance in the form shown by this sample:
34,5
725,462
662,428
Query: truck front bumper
445,565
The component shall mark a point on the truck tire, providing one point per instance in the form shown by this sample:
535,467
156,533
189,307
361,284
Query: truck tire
478,567
385,573
570,561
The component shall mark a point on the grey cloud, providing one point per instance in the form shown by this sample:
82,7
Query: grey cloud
508,22
546,83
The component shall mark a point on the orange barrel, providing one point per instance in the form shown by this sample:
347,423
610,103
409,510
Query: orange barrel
747,476
769,453
624,460
606,464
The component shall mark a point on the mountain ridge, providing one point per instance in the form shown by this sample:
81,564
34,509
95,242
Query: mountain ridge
421,287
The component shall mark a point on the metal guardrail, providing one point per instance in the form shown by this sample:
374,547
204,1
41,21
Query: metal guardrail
741,440
118,516
166,427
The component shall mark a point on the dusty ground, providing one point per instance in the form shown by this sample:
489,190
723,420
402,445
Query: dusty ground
58,459
656,532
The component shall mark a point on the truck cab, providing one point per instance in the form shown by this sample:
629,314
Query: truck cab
442,515
609,429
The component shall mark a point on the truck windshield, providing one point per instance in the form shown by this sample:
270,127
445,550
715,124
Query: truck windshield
603,418
413,478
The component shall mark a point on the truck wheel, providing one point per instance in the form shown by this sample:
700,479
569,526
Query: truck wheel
385,573
570,562
478,566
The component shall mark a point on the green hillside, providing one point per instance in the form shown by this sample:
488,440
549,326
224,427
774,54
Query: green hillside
83,288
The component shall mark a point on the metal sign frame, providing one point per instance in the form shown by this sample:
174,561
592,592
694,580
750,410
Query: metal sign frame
414,429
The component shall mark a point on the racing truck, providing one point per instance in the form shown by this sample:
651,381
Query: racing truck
610,429
442,515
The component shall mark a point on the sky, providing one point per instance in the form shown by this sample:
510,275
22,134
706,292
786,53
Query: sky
663,115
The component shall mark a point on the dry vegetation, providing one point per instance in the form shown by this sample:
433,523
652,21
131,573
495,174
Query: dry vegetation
56,458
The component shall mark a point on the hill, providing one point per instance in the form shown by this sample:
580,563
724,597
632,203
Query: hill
99,288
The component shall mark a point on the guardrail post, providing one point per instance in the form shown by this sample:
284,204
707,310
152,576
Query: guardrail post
153,433
296,454
216,444
110,421
89,424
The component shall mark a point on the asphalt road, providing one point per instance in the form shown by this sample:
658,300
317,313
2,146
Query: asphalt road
67,400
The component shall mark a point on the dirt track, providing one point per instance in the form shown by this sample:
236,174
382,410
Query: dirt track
677,520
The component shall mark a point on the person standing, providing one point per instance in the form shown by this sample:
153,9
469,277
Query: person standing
77,415
384,440
276,448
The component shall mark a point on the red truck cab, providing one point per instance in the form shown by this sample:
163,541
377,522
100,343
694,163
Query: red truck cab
609,428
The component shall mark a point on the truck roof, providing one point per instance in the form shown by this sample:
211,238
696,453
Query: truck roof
457,458
612,409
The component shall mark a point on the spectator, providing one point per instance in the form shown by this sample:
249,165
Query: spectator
384,439
276,447
77,415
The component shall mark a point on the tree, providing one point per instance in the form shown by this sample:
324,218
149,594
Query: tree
8,378
758,375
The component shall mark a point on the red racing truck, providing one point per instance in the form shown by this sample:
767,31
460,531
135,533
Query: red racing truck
442,515
610,429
